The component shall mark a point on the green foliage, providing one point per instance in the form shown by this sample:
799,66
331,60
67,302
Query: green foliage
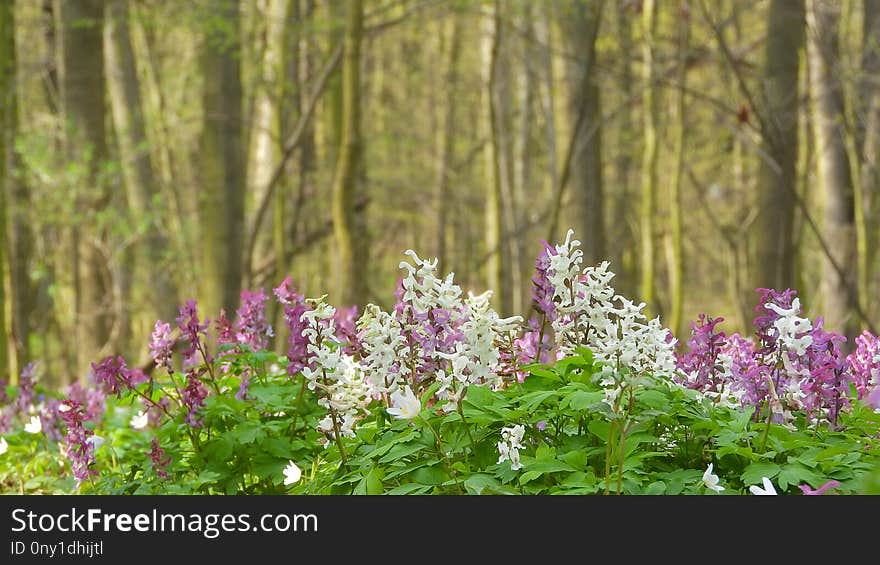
656,438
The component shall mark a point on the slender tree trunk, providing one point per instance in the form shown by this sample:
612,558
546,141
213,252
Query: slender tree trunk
494,230
348,229
446,139
82,93
221,202
581,21
676,250
7,140
142,191
264,146
18,205
650,111
774,249
621,232
837,292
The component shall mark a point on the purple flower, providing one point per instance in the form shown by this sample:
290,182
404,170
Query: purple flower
827,385
873,398
865,363
161,344
193,398
4,397
542,288
526,347
541,425
243,385
159,459
700,363
192,331
77,447
294,306
25,388
113,375
344,319
50,420
250,326
91,397
808,491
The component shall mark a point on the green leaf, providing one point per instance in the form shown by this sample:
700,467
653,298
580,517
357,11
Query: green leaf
410,488
218,449
476,484
543,466
531,400
277,447
599,428
657,487
248,432
400,451
754,472
797,474
583,400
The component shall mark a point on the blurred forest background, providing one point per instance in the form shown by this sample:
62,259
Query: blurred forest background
158,151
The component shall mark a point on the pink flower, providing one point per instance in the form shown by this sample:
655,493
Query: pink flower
829,485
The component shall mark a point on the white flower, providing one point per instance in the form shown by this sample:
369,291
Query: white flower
34,426
64,407
3,445
405,406
711,480
510,444
767,490
789,325
140,420
292,473
96,441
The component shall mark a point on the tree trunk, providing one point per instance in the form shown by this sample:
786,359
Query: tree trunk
837,287
650,111
82,93
221,202
676,250
622,233
142,190
7,140
348,229
494,230
264,146
580,22
446,139
774,249
17,206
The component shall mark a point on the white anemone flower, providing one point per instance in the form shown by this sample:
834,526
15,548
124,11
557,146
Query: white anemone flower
3,445
292,473
767,490
140,420
406,405
711,480
34,426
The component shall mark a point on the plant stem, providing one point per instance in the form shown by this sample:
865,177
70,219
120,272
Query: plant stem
302,392
439,447
608,456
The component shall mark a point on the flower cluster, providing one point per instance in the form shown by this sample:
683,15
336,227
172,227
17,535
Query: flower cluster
161,344
294,307
159,459
794,365
510,445
79,442
337,378
587,312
